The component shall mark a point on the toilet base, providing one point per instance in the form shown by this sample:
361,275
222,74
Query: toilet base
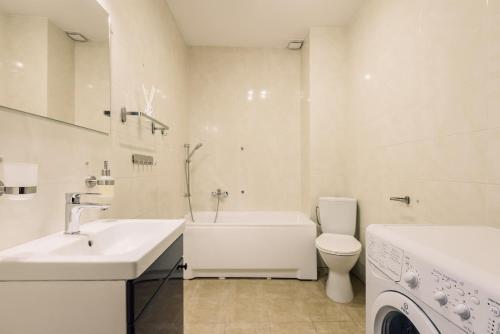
339,287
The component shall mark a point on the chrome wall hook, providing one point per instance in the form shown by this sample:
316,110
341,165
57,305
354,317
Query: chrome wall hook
143,160
405,199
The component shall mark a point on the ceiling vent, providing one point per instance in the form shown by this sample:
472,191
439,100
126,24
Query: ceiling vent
295,45
77,37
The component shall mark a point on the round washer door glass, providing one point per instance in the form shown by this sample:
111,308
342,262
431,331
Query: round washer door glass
396,322
394,313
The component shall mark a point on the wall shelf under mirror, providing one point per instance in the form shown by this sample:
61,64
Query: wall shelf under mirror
163,128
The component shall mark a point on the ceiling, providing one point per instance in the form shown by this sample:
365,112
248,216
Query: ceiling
83,16
256,23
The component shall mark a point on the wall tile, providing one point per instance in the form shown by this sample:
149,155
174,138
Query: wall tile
423,106
246,98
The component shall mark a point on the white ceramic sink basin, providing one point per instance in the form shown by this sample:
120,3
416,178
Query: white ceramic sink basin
104,250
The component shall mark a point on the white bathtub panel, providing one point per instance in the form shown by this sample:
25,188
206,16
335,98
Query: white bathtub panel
245,250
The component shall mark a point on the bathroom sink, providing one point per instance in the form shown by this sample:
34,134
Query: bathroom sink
104,250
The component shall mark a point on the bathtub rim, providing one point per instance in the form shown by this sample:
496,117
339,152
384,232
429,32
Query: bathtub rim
301,220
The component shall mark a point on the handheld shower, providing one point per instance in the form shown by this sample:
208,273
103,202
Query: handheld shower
196,148
187,170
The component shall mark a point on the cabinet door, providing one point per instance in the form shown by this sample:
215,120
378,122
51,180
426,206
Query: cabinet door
164,314
141,290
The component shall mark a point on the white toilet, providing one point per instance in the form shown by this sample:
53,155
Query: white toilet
337,245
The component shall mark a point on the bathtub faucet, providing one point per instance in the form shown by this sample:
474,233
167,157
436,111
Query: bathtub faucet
220,194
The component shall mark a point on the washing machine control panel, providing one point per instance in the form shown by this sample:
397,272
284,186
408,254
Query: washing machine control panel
470,307
385,256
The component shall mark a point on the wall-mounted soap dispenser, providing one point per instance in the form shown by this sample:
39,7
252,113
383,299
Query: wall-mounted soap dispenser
104,184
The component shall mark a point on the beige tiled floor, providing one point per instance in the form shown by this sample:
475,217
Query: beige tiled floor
247,306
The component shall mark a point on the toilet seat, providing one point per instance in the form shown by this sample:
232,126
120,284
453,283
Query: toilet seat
338,244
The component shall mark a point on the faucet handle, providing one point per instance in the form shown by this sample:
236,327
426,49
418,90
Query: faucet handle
74,198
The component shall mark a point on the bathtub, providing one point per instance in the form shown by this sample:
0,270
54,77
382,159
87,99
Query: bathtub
250,244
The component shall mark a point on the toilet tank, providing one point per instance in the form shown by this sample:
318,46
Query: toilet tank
338,215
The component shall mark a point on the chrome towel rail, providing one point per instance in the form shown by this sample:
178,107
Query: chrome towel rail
163,128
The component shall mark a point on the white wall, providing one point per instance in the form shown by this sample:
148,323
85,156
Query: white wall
225,118
324,107
425,112
3,56
146,47
305,127
406,101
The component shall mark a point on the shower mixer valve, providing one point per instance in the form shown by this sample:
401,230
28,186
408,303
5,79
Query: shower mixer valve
220,194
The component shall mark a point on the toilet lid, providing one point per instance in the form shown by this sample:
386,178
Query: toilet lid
338,244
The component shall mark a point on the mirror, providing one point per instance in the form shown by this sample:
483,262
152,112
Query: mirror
55,61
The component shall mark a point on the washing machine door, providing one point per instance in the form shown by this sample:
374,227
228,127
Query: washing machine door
394,313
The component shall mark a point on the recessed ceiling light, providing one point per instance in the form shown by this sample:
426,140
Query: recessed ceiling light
77,37
295,44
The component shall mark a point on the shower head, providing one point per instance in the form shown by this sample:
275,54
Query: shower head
197,147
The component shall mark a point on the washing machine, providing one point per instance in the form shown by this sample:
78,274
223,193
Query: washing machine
432,279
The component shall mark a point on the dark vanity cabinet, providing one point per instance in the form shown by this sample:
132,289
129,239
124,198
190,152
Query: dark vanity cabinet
155,300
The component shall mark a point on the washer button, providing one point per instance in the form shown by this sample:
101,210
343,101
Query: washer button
447,285
495,311
460,292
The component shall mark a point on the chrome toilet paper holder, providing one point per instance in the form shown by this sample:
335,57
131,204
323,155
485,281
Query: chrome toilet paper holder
405,199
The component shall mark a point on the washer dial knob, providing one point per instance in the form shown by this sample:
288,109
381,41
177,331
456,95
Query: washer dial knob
440,297
462,310
411,278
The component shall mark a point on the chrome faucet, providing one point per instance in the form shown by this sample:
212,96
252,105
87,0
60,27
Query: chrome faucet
74,209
